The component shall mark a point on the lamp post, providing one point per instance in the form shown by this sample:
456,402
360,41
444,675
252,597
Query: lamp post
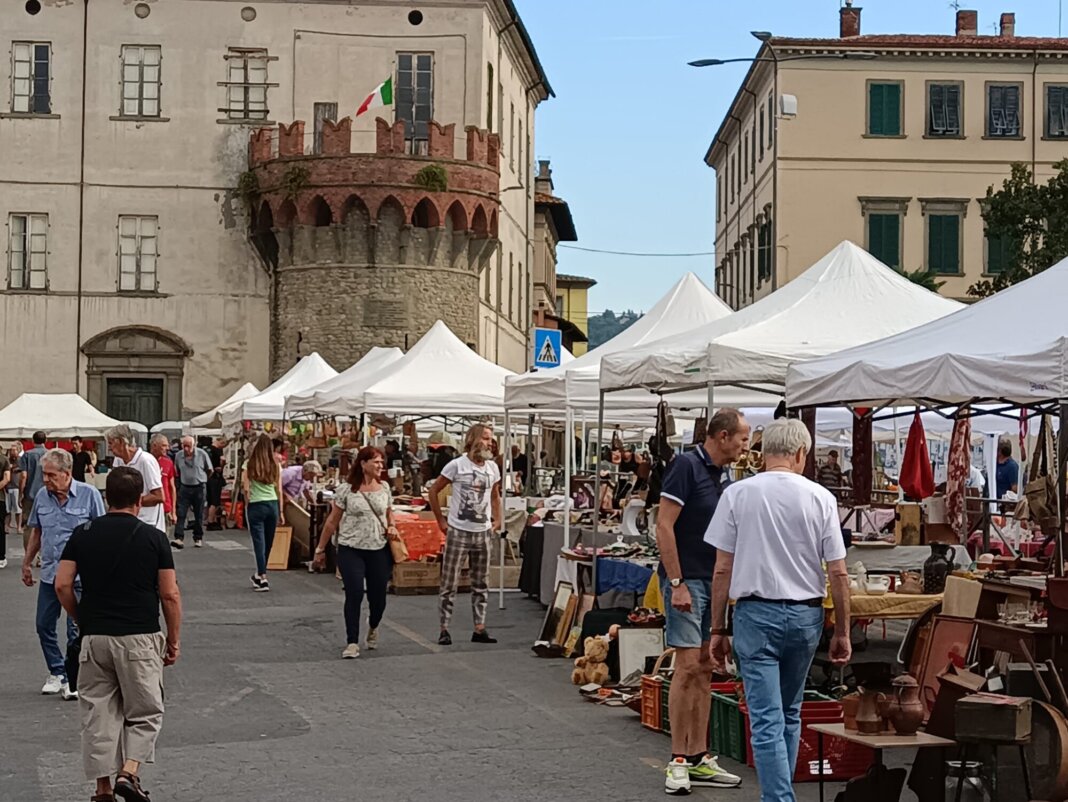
766,38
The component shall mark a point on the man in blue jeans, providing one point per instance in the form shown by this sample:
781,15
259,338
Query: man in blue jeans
60,505
692,487
773,534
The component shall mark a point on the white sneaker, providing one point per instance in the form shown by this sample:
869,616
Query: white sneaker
67,693
352,651
54,684
678,777
372,639
3,563
708,774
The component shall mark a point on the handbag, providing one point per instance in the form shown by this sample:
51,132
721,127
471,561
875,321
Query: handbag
397,547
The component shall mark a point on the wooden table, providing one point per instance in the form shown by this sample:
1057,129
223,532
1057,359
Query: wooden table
876,742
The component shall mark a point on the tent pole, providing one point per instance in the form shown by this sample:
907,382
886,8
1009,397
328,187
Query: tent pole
569,443
1062,458
900,459
597,493
505,480
583,460
528,485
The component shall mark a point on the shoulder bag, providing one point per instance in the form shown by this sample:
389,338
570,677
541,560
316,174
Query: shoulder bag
397,547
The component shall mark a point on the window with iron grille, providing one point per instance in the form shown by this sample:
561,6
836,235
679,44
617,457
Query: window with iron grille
1003,110
511,139
28,252
140,80
138,252
944,110
31,77
415,99
489,97
1057,112
246,83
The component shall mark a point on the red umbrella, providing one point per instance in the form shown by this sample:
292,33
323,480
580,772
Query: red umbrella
917,480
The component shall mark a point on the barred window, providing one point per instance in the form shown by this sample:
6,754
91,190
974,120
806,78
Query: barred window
415,98
28,252
246,83
31,77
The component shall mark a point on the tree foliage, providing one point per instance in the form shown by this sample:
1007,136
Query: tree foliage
608,324
925,278
1033,219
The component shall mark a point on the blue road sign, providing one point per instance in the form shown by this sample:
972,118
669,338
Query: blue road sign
547,348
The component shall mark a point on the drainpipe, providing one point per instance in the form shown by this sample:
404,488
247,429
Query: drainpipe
81,207
1034,114
774,123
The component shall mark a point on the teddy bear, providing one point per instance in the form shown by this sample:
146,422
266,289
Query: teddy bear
591,666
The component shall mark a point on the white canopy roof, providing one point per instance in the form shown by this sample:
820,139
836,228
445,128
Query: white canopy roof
440,375
270,404
687,305
336,395
212,419
1011,346
57,415
848,297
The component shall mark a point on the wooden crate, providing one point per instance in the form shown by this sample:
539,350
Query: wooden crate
993,718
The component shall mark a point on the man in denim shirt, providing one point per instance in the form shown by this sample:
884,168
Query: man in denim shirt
60,506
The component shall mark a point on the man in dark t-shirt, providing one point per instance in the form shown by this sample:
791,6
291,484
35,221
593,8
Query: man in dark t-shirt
127,571
83,459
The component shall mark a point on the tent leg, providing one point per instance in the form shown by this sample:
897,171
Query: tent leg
597,494
1062,458
505,481
569,443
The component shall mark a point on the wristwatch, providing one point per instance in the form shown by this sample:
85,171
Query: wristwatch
675,582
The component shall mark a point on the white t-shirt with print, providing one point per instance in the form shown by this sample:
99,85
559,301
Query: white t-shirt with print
148,466
472,486
781,529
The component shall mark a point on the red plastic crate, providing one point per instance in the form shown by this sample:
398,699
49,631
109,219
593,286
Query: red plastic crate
843,760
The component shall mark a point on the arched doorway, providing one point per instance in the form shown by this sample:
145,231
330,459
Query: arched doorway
136,373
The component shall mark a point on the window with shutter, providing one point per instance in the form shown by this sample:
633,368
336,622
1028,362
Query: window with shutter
999,251
884,109
1057,112
944,110
884,238
761,138
1003,110
943,243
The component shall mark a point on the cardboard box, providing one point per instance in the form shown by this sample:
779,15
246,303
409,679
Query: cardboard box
992,718
511,576
416,576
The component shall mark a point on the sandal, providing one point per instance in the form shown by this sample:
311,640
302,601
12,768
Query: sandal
128,788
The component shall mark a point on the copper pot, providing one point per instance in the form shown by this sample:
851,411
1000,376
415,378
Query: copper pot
869,722
904,708
850,704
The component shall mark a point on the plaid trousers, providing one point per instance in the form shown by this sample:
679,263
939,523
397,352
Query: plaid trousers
474,545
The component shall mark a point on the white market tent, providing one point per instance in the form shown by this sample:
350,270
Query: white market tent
440,375
1012,346
57,415
847,298
336,395
574,385
212,419
270,404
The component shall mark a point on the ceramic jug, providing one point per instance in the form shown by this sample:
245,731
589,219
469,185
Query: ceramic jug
905,709
937,567
869,721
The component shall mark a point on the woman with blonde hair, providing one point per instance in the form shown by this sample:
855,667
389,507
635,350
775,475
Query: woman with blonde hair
474,512
261,479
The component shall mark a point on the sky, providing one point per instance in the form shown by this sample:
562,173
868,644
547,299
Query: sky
629,126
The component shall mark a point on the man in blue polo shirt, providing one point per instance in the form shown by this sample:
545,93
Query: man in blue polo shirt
692,487
62,504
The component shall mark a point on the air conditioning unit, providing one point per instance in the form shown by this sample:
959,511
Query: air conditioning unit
788,105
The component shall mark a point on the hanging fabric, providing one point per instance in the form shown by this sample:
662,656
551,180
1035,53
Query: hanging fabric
917,480
958,468
1040,492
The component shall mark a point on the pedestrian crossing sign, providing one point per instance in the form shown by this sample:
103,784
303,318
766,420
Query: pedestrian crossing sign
547,348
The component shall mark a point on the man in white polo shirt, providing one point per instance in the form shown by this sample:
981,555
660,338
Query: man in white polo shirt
123,445
773,534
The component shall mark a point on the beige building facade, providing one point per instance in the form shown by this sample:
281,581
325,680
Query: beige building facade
130,275
890,141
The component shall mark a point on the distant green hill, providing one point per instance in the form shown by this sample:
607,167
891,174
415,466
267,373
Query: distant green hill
608,324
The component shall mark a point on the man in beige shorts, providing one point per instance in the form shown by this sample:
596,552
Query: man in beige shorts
127,572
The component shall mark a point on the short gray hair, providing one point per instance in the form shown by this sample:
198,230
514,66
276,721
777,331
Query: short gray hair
121,432
188,437
783,437
60,459
159,437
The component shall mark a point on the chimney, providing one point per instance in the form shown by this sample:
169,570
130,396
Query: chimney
967,23
848,20
543,181
1008,25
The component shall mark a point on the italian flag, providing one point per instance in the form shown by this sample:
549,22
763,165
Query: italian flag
381,96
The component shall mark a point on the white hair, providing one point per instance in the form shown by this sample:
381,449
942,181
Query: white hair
783,438
121,432
159,437
59,459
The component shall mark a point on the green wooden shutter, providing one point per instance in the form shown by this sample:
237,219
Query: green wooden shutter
876,106
943,243
884,237
884,109
998,253
893,109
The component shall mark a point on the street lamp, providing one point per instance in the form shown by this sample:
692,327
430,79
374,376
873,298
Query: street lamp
859,55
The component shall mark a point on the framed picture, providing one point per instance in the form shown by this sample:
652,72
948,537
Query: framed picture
635,644
555,616
951,641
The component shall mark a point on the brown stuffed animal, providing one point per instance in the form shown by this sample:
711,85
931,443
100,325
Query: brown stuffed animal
591,666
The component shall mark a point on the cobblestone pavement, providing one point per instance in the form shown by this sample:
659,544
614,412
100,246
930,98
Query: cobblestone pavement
260,707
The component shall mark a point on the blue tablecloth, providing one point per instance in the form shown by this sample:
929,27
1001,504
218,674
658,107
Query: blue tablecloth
622,576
